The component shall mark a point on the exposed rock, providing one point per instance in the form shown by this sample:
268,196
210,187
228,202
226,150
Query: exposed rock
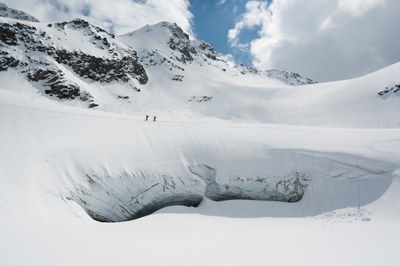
101,69
123,97
180,42
39,52
177,77
183,50
7,61
289,78
7,35
57,85
286,77
201,99
209,50
388,91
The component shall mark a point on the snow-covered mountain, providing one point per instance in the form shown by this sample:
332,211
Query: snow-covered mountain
7,12
159,69
56,57
71,60
305,163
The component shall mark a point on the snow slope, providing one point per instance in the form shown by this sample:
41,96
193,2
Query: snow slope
348,215
159,70
81,64
71,144
7,12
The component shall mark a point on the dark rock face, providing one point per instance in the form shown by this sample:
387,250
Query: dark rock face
200,99
154,59
7,61
388,91
57,85
180,42
41,58
208,50
177,78
103,70
7,35
187,49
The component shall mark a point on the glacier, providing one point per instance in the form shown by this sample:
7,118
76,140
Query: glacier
242,166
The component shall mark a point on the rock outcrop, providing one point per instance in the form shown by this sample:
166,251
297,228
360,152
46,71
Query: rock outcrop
45,53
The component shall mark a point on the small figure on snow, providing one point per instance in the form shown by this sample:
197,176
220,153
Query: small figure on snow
147,117
154,119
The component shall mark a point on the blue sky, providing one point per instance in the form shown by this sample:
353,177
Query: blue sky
212,19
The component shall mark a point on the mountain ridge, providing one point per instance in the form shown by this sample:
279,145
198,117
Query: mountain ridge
5,11
159,69
47,55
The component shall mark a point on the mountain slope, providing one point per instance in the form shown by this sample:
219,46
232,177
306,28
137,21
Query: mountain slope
119,167
103,161
78,62
7,12
63,59
159,70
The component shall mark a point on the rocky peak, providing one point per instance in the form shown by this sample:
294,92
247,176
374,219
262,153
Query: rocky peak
80,24
7,12
174,43
177,32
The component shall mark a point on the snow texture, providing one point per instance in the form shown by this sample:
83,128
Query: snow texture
7,12
312,171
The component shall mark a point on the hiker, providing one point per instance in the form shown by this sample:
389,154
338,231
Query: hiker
154,119
147,117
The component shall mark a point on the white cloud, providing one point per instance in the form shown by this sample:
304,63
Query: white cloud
323,39
121,16
357,7
256,13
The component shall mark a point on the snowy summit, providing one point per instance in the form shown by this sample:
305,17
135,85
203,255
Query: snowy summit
7,12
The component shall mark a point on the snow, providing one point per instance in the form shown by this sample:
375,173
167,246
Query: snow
5,11
252,140
175,239
47,146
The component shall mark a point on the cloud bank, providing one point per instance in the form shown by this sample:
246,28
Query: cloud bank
119,16
322,39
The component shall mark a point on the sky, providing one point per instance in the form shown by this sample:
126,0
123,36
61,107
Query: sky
212,21
321,39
